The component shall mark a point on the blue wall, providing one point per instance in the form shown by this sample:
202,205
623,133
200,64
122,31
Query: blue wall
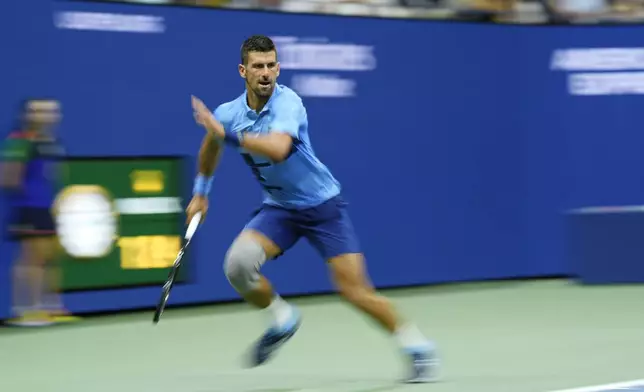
458,153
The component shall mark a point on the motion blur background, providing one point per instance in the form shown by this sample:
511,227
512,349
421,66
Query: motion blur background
475,139
468,150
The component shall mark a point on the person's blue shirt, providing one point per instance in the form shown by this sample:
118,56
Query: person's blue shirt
300,181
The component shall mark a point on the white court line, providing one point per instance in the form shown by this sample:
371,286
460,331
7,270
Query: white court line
599,388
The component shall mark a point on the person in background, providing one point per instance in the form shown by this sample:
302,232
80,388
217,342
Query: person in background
30,176
485,10
203,3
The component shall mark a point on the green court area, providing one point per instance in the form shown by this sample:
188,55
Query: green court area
539,336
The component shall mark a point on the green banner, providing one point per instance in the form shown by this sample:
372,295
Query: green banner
120,221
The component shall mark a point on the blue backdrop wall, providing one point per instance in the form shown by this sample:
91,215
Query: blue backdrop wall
458,145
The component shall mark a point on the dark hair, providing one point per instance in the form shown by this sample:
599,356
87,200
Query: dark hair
256,43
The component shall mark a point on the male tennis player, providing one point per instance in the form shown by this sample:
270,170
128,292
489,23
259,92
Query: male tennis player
30,178
268,125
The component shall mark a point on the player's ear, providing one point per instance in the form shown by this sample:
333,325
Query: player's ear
242,71
278,68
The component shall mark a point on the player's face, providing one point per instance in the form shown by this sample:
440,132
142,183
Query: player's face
261,72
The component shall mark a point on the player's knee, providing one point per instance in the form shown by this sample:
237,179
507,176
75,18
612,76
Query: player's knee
243,261
351,289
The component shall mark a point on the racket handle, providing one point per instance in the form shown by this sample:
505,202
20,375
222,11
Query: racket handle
192,226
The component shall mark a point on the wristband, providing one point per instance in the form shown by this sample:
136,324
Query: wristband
233,138
202,185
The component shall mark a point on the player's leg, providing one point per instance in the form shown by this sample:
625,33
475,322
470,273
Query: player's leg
331,232
352,283
349,275
266,236
250,250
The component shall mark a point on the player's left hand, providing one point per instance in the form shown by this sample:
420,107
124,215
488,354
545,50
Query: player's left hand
203,116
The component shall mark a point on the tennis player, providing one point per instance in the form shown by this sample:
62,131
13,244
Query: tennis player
268,125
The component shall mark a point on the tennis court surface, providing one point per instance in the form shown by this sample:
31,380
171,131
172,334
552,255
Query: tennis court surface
541,336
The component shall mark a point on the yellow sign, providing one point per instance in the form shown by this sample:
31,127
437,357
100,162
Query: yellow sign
147,181
149,251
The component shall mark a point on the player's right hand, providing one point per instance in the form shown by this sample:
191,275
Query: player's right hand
197,204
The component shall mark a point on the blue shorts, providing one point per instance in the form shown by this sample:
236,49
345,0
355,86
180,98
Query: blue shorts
327,227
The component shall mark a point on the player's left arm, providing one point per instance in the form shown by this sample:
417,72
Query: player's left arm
284,129
277,144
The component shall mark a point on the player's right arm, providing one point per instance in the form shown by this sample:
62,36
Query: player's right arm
209,156
16,153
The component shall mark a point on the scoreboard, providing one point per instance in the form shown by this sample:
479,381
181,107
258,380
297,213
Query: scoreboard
120,221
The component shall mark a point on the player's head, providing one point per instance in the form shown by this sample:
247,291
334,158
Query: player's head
40,114
259,65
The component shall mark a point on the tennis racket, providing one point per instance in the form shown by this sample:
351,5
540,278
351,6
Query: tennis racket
165,293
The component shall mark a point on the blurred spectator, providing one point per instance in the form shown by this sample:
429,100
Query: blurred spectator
502,11
485,10
30,176
203,3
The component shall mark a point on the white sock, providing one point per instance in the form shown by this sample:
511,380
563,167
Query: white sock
409,337
279,311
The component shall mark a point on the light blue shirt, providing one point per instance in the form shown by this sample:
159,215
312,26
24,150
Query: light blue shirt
300,181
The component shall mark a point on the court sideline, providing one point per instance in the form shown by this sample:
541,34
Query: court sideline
513,336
